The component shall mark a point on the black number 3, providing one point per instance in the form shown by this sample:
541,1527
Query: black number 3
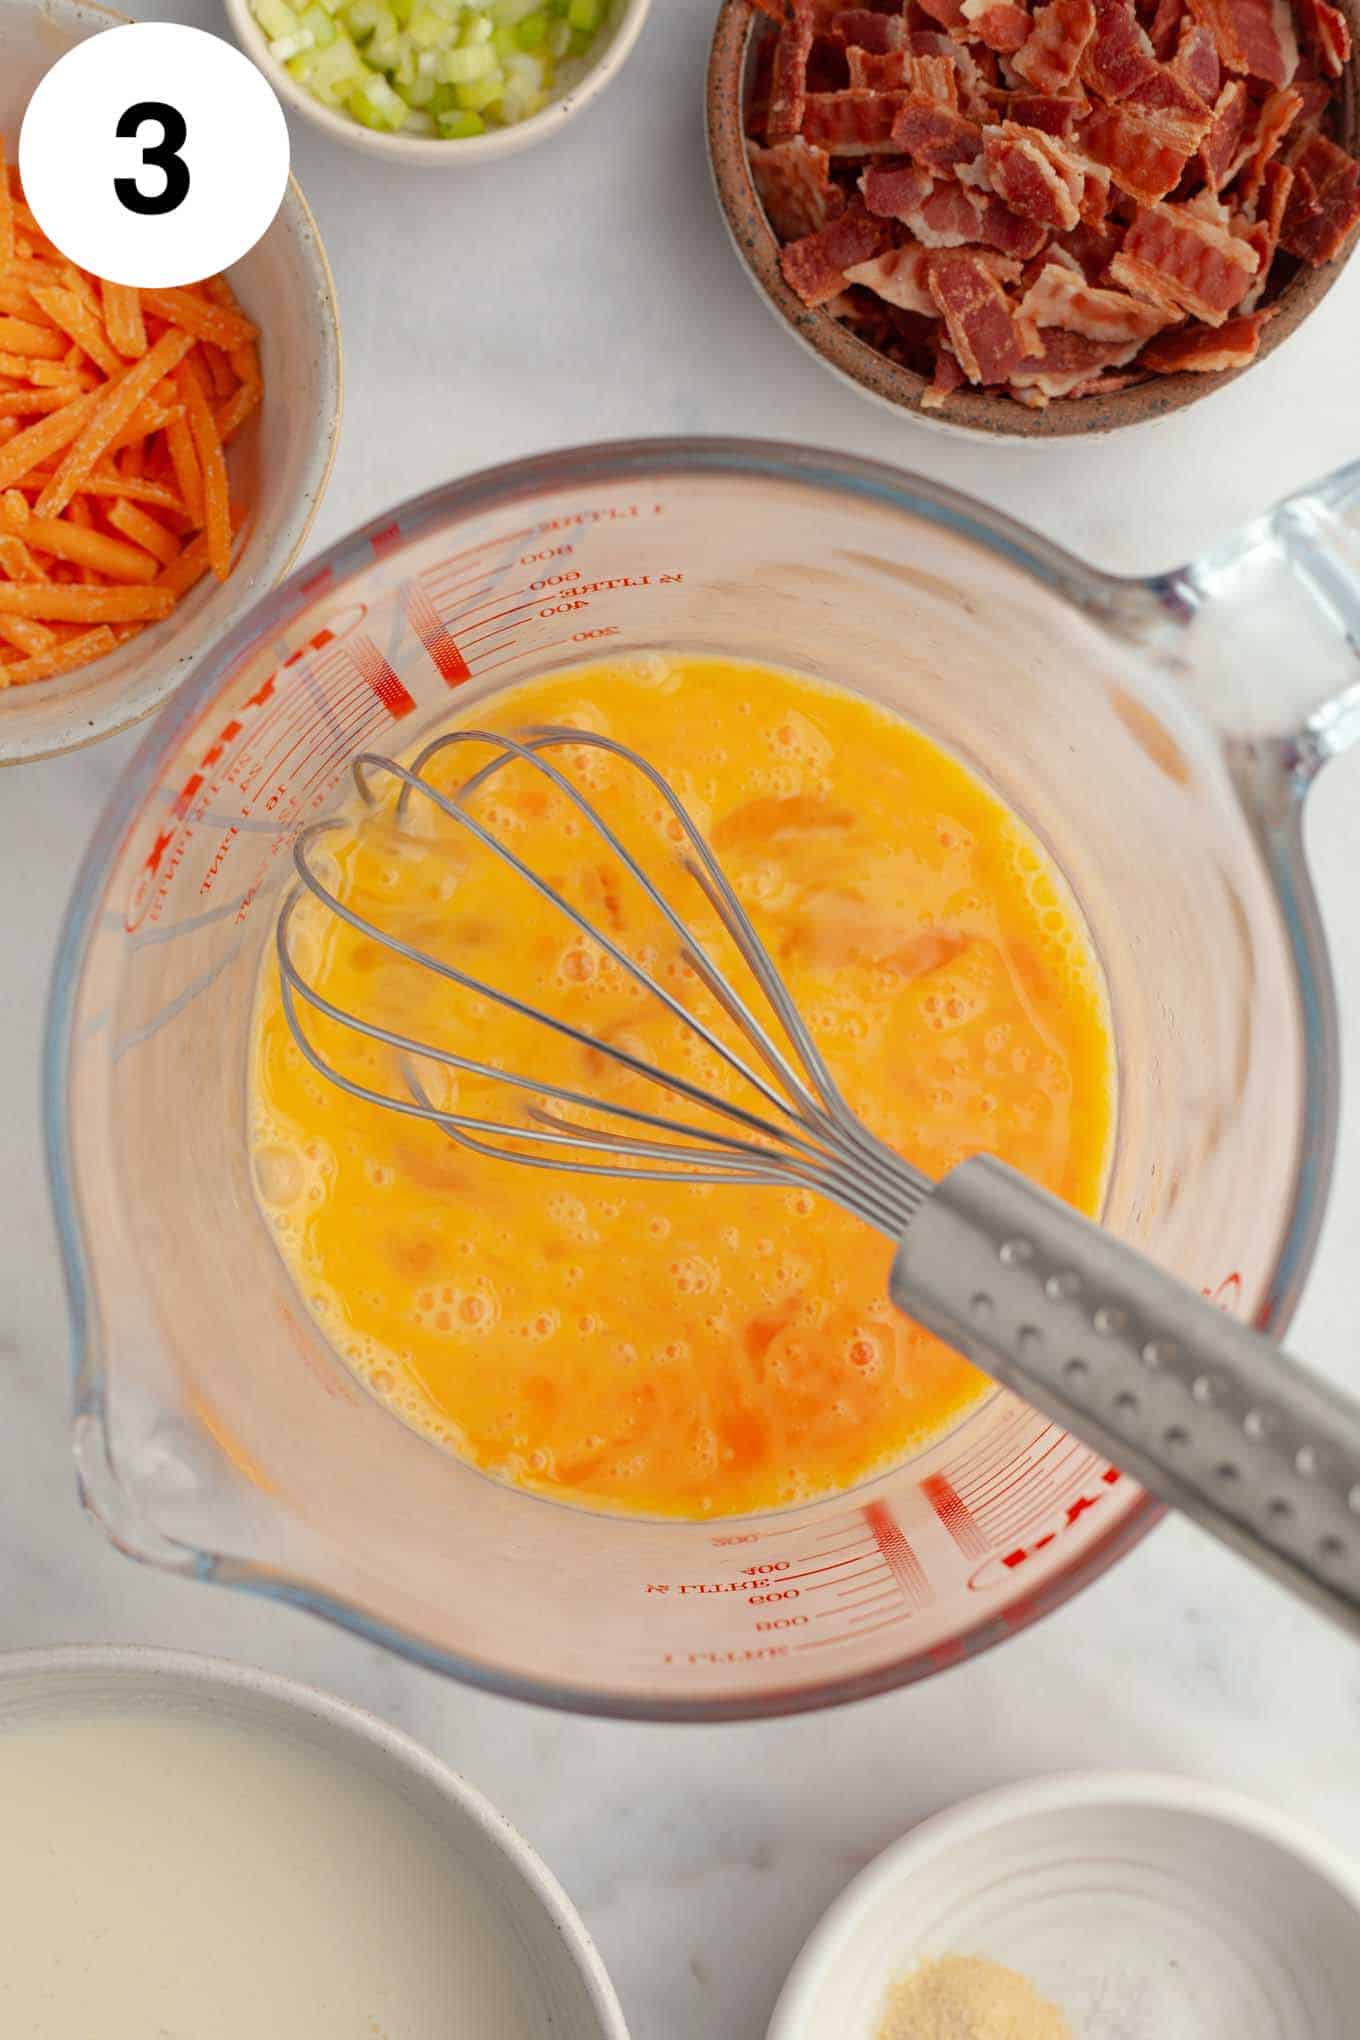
163,156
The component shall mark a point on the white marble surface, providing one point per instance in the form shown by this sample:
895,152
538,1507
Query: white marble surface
584,292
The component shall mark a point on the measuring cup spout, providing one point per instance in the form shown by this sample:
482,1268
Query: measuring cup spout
1265,629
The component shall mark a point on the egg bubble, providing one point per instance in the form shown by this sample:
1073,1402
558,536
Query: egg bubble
279,1175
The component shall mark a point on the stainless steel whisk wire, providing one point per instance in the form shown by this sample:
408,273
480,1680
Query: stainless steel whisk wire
817,1143
1202,1410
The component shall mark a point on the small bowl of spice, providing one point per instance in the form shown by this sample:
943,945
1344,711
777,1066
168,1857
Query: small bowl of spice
1101,1906
438,82
1038,217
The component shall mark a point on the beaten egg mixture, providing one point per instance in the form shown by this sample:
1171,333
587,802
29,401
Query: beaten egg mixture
673,1349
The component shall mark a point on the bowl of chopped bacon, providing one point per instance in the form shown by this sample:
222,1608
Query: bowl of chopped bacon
985,210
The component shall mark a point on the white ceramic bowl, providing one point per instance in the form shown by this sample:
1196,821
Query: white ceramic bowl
283,457
523,1898
430,152
1148,1908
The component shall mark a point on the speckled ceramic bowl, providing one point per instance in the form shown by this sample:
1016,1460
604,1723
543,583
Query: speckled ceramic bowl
281,462
729,73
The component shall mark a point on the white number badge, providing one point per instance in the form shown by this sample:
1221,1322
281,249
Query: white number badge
154,155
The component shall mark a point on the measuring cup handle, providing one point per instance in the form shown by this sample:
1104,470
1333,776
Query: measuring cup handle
1205,1413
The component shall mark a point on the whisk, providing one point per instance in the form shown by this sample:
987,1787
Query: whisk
1208,1415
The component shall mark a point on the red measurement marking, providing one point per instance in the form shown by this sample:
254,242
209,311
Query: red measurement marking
854,1635
425,621
380,677
322,578
1228,1295
994,1570
1013,1481
837,1565
386,540
902,1562
957,1518
317,643
539,649
470,551
472,603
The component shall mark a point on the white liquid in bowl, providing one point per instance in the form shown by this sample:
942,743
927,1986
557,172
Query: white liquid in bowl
176,1878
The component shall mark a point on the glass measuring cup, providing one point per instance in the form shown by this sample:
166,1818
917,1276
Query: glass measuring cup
1159,736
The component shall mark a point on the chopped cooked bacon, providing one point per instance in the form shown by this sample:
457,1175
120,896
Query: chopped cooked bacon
1056,114
828,66
1062,297
977,314
1204,350
896,193
948,378
1264,233
1092,248
1163,31
1068,360
1060,197
1218,155
1255,36
872,71
794,183
976,68
866,29
1176,257
1172,100
1107,384
1323,210
1146,142
1045,178
1196,61
949,217
1052,51
1026,176
852,123
788,75
956,216
935,78
1057,257
815,266
1000,24
949,13
934,136
1207,205
783,11
1326,35
1314,91
1275,116
899,277
1119,56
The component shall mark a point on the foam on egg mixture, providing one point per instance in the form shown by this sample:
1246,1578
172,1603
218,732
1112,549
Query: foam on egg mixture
693,1351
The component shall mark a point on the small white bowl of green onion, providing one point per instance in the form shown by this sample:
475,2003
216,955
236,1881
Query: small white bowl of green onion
438,81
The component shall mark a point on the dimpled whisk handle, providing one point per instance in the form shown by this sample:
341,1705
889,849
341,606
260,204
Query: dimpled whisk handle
1206,1414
